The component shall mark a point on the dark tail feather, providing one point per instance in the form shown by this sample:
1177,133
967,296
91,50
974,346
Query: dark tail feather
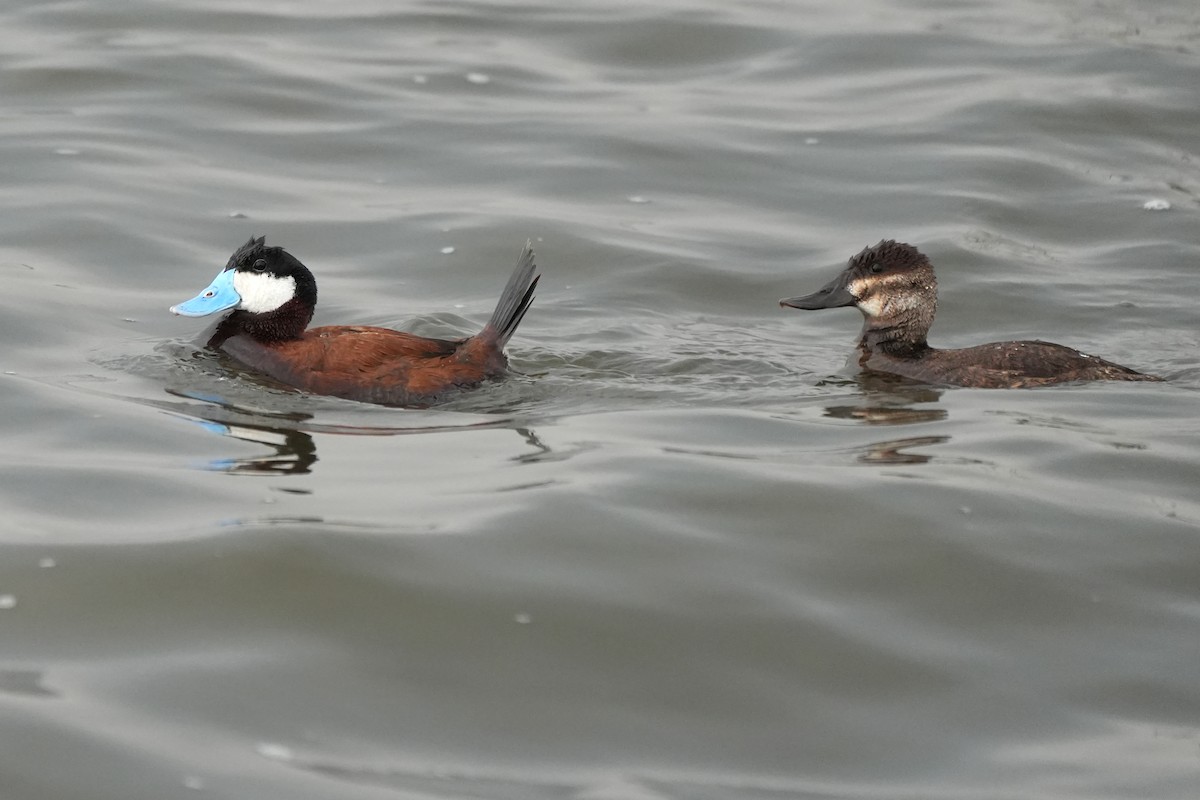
515,300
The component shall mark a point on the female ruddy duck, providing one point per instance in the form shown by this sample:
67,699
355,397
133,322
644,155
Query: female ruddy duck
273,296
893,286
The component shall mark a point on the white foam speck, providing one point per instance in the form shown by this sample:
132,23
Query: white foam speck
637,198
47,563
8,601
67,151
420,79
460,305
274,751
478,77
522,619
447,251
812,140
194,783
1157,204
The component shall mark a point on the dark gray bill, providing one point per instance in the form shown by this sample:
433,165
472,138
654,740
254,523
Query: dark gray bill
832,295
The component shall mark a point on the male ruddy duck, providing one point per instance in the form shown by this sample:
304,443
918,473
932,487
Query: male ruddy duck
893,286
273,297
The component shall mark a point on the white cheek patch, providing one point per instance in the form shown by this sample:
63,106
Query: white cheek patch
872,306
884,297
869,302
261,292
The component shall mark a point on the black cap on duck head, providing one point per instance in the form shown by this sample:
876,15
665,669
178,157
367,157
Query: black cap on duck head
889,277
889,256
247,252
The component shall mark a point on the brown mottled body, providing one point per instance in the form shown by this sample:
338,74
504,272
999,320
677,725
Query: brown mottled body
1000,365
894,287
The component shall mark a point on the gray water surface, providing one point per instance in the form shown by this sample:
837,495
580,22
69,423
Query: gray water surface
683,552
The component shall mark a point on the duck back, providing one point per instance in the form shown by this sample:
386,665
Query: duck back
373,365
1000,365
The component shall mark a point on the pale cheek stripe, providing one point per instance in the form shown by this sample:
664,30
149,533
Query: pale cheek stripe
873,306
263,293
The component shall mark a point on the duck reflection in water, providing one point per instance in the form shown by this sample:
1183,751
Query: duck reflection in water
889,400
290,435
295,451
893,451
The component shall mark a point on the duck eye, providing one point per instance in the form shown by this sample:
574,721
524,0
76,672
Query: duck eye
876,268
260,265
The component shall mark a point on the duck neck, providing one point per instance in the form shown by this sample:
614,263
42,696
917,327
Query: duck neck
902,337
281,325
